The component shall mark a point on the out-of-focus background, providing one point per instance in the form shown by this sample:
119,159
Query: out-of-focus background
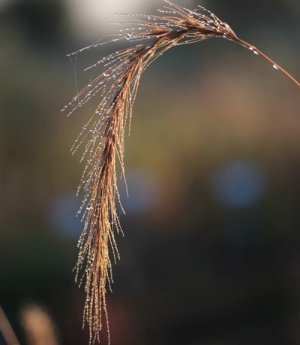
211,253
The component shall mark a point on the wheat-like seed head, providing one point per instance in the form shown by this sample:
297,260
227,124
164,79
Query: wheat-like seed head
103,136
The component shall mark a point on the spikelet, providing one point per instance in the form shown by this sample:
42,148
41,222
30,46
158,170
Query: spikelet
103,136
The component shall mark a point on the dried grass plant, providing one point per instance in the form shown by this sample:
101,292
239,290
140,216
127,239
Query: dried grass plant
103,135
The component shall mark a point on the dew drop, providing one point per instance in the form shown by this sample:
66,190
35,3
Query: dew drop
253,50
275,67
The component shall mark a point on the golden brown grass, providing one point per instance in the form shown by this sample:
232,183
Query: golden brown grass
103,136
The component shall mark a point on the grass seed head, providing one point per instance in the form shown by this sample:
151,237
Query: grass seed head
103,136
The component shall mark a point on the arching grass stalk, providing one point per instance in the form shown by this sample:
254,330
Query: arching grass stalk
103,135
273,63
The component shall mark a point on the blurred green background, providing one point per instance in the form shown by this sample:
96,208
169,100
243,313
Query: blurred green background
212,232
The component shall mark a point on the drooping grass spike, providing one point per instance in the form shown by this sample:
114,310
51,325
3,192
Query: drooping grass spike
103,135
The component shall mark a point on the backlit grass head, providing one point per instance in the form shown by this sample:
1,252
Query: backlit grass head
103,135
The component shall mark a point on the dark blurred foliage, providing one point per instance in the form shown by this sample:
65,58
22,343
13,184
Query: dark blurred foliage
211,248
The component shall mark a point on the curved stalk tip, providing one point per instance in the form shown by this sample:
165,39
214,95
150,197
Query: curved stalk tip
273,63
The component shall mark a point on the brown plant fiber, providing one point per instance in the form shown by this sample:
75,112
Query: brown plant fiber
103,136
